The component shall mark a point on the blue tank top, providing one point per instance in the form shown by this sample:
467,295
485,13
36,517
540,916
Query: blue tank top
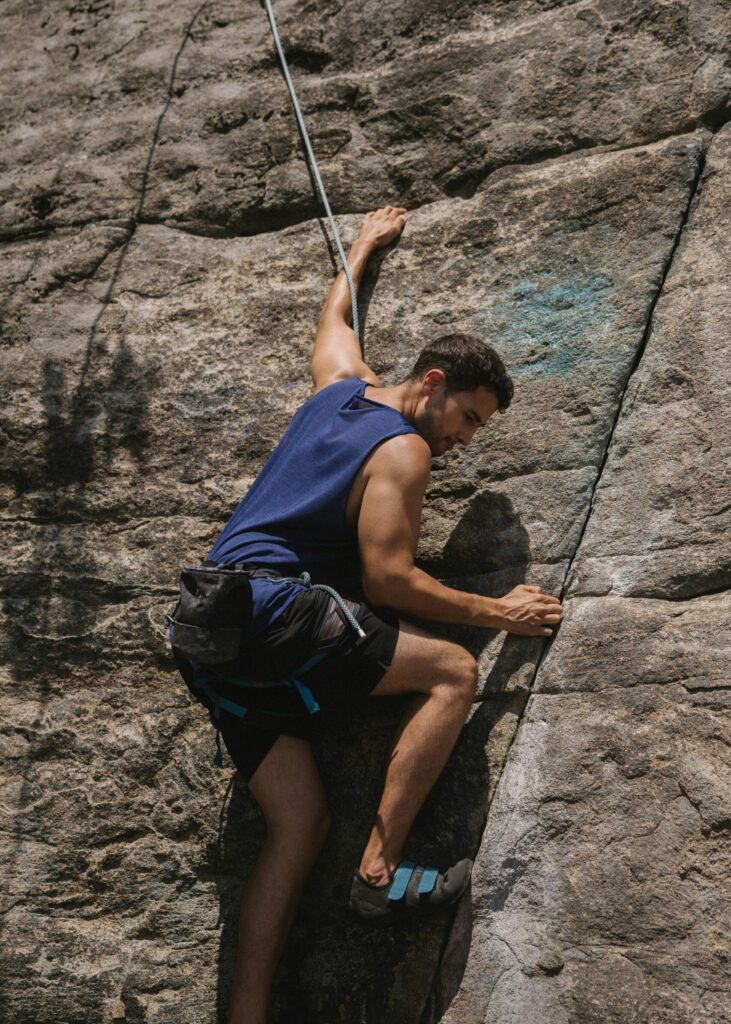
292,517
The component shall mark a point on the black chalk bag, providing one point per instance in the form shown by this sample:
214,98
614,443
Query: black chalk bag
212,613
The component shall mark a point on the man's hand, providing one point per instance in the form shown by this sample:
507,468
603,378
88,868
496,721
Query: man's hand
381,226
527,611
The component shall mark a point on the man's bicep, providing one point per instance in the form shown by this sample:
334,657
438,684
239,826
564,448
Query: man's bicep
389,521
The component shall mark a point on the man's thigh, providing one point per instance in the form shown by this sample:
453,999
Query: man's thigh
287,785
421,661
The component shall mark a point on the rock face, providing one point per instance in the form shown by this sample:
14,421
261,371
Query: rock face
567,171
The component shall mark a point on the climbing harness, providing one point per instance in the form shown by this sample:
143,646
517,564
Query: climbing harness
205,682
208,626
313,164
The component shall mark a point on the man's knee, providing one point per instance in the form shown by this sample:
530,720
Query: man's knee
464,675
425,663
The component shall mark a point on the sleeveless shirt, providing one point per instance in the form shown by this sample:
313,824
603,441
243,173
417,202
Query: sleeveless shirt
292,517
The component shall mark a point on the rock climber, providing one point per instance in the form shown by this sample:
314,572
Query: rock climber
341,497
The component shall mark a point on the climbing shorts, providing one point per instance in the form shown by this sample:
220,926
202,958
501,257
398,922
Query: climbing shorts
311,624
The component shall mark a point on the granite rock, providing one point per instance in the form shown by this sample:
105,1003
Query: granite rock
162,268
600,890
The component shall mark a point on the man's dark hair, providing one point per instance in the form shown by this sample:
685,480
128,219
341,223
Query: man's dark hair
468,363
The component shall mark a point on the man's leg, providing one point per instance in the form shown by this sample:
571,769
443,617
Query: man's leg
287,787
443,677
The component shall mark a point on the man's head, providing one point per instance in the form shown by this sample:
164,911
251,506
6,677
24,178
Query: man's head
458,382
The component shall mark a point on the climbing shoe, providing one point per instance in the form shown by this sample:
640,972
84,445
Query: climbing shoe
412,888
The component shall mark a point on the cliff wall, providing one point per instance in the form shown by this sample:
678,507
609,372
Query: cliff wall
567,168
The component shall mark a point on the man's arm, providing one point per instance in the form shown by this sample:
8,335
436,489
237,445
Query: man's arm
337,353
388,535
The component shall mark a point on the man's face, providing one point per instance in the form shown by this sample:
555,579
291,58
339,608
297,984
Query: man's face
446,420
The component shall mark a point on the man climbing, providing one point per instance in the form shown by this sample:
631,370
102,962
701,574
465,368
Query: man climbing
341,497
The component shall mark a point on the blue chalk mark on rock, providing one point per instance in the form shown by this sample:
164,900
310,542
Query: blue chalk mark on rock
549,324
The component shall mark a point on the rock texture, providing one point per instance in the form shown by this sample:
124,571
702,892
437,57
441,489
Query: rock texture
601,889
567,170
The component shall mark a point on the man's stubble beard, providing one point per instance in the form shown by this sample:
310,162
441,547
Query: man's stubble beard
429,426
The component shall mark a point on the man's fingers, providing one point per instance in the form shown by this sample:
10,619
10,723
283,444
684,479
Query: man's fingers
547,614
541,617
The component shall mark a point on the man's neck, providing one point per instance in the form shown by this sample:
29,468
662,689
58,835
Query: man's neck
400,397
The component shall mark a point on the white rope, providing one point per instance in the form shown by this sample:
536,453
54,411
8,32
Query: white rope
315,168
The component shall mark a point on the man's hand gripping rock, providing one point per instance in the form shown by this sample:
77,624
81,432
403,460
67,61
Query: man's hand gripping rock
526,610
380,227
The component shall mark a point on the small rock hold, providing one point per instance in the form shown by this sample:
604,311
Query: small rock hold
546,961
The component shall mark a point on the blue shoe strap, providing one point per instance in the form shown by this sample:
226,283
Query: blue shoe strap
427,881
401,879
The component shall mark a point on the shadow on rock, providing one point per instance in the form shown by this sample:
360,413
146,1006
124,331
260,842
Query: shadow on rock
55,597
489,537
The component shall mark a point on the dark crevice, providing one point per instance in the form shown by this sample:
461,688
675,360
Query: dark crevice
308,58
717,117
137,215
266,221
84,401
43,234
712,121
693,193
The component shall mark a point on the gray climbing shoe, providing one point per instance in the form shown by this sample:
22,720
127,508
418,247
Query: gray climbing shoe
411,889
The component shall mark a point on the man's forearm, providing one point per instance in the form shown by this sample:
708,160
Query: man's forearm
419,594
338,302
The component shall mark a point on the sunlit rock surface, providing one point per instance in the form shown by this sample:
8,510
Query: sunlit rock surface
567,174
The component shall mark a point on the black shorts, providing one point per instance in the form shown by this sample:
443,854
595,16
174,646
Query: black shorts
312,623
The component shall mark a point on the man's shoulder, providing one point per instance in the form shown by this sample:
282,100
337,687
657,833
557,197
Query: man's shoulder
337,383
407,454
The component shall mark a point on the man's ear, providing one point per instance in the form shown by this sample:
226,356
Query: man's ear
433,378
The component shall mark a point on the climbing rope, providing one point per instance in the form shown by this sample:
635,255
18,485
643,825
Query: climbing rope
313,164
